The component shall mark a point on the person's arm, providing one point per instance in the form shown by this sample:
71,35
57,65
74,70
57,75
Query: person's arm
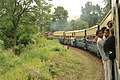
100,42
103,54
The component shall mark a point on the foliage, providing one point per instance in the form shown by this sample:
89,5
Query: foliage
25,39
77,24
19,17
1,45
32,63
8,42
18,49
44,15
93,12
107,7
6,35
13,11
58,25
41,61
60,14
59,19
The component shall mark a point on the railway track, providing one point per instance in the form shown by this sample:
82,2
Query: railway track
92,59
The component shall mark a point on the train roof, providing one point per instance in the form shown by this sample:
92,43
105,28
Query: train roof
106,19
91,31
58,31
95,26
74,31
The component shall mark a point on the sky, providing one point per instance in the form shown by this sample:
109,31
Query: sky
74,6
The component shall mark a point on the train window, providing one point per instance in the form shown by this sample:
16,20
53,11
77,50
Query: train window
90,37
80,37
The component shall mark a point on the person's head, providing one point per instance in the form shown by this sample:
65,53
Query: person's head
112,32
106,33
100,33
109,24
103,29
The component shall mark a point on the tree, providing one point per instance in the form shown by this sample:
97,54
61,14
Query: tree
76,25
44,15
60,14
16,14
13,10
91,13
107,7
59,18
80,24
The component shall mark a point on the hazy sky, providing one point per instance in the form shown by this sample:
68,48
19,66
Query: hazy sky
74,6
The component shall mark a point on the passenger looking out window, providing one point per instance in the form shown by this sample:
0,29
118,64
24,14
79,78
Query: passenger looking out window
96,37
106,34
105,59
109,48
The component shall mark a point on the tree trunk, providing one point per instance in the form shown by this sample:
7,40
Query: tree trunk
14,35
15,25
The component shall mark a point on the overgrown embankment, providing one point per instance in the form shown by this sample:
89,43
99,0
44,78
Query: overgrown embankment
44,60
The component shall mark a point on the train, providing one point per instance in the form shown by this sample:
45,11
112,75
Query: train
85,38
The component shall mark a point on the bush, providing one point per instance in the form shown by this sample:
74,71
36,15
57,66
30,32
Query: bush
25,39
8,42
56,49
1,43
18,49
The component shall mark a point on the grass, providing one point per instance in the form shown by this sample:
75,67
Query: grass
45,60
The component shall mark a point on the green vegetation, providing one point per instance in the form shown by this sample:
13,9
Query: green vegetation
24,56
21,19
93,14
45,60
35,61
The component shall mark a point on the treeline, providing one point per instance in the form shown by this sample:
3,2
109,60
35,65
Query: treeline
93,14
20,20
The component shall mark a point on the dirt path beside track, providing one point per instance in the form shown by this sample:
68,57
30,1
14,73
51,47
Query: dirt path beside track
93,67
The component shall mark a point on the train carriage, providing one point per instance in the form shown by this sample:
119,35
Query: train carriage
106,19
80,36
69,37
48,35
91,44
59,35
77,36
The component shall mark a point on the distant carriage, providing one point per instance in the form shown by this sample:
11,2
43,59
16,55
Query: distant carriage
48,35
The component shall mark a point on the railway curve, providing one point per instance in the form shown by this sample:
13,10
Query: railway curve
95,65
